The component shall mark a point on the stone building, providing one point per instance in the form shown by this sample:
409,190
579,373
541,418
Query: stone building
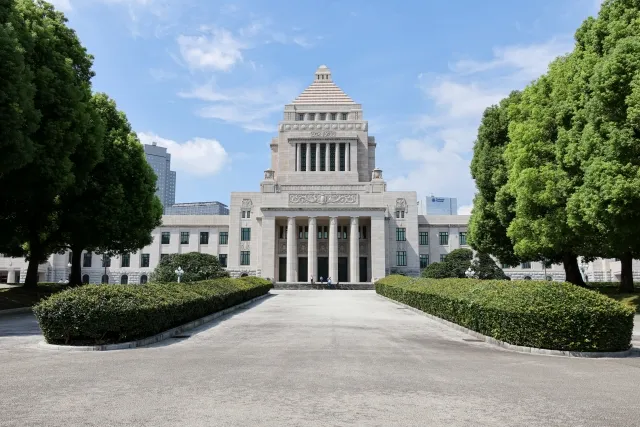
322,210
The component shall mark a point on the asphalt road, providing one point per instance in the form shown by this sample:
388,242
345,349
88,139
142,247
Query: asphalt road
310,358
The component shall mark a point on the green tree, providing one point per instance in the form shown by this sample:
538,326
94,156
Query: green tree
197,266
62,76
18,115
117,209
455,264
485,268
609,148
491,217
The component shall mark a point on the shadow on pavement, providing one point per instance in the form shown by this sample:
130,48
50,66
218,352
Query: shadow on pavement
19,325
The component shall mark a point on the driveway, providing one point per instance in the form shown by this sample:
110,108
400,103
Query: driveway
311,358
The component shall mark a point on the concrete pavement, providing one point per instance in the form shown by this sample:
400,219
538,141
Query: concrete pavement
311,358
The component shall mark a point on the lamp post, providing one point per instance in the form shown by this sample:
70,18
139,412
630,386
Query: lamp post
469,273
68,273
179,271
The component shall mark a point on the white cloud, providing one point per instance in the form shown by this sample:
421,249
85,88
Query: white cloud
248,107
219,50
442,145
64,5
198,156
465,210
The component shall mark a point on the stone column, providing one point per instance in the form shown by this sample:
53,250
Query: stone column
327,151
297,157
353,157
347,157
291,249
378,248
11,276
312,257
354,251
317,157
269,251
333,248
337,157
307,157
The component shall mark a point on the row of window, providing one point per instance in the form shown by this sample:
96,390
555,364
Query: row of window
524,265
321,116
125,260
223,239
423,236
322,165
323,232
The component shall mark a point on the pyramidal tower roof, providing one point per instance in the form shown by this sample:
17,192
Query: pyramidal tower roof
323,91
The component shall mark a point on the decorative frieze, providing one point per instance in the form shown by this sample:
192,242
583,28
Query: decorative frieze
282,247
323,248
323,199
302,248
343,248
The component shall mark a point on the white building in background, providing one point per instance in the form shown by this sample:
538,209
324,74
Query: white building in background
322,209
160,161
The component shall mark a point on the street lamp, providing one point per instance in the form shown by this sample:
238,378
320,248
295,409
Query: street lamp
179,272
469,273
69,273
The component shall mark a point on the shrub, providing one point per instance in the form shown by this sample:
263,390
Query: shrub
455,264
197,267
99,314
550,315
485,268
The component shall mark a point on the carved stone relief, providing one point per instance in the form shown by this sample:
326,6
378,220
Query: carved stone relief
282,247
245,246
343,248
302,248
323,199
323,248
401,204
247,204
363,246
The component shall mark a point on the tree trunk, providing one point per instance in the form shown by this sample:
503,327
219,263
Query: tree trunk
31,280
626,273
75,278
572,270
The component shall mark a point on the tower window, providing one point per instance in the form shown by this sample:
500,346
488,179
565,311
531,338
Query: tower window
334,116
323,157
312,116
323,116
299,117
343,150
345,116
312,166
303,157
332,157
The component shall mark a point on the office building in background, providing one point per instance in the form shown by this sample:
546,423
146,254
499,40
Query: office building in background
160,161
442,205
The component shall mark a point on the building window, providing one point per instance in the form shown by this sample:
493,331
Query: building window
312,116
303,157
245,234
166,237
463,239
323,157
144,260
326,232
363,232
444,238
343,157
223,259
204,237
224,238
312,166
334,116
86,260
300,117
424,261
424,238
401,258
85,279
332,157
125,260
400,214
345,116
339,232
245,258
282,232
505,266
184,237
143,279
525,265
105,279
401,234
106,261
442,257
124,279
323,116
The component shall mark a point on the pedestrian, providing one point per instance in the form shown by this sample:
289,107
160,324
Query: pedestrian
321,279
329,282
311,280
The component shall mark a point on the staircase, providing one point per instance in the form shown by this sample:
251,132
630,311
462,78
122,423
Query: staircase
323,286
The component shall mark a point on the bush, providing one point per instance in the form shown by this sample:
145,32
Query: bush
455,264
99,314
197,267
550,315
485,268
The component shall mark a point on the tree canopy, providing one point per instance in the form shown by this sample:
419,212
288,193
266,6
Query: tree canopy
455,264
196,266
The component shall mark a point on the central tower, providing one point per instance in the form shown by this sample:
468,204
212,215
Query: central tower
323,138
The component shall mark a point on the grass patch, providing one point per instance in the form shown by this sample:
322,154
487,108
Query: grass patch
20,297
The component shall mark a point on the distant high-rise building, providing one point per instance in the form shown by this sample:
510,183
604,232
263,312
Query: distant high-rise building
197,208
160,161
442,205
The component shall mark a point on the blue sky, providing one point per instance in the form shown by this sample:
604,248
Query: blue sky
209,79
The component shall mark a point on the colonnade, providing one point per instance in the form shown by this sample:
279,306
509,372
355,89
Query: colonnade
308,147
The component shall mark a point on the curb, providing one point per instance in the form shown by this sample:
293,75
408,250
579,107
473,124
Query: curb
16,310
633,351
154,339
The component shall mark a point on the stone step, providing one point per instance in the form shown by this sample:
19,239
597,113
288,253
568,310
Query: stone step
323,286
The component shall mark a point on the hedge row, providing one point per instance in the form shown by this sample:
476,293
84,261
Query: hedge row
99,314
549,315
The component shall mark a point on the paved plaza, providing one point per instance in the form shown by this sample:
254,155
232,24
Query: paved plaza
310,358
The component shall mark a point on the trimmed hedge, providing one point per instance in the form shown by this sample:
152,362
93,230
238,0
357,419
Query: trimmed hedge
549,315
106,314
